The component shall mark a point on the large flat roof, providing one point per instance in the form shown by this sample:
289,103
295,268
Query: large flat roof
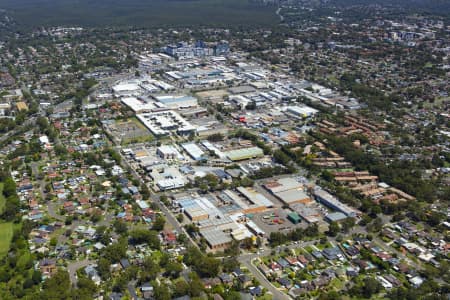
244,153
215,237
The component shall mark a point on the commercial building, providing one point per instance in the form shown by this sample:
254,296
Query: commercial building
184,50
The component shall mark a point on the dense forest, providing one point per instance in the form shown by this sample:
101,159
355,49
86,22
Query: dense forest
139,12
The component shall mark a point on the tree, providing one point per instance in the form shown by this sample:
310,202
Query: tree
140,236
159,223
376,225
115,252
180,218
103,266
371,287
173,269
332,295
120,283
347,224
120,227
181,288
150,269
333,229
57,287
86,288
216,137
195,285
161,291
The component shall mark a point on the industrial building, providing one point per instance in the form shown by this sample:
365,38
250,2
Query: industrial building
166,122
335,217
177,101
254,203
194,151
169,152
258,201
301,111
127,89
167,178
332,202
197,209
216,239
310,212
288,190
244,153
138,105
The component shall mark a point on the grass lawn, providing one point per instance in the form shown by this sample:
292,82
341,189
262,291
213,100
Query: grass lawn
2,198
6,232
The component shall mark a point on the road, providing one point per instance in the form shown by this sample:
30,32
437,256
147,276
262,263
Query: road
27,122
131,286
72,268
277,295
278,12
247,261
170,218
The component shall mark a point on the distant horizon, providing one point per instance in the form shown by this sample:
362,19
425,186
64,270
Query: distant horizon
139,12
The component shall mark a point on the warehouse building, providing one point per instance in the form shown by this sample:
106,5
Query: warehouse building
169,152
244,153
194,151
166,178
130,88
259,202
253,205
198,209
216,239
290,197
335,217
177,101
166,122
302,111
288,190
332,202
138,105
310,212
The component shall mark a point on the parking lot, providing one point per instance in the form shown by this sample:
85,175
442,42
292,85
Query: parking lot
276,221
